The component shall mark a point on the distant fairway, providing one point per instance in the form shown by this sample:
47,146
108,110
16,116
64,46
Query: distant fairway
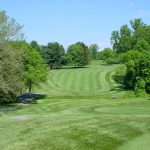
93,80
79,113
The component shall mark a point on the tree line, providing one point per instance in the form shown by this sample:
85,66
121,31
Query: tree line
54,54
23,64
132,47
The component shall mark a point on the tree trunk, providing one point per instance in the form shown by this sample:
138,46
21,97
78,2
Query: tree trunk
30,87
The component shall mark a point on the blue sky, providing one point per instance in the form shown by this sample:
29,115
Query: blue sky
69,21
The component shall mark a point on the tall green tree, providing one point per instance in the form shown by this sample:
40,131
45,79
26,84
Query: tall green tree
126,38
93,48
107,53
11,69
122,40
86,53
35,45
142,45
133,48
137,77
54,54
11,58
136,24
9,29
78,54
35,70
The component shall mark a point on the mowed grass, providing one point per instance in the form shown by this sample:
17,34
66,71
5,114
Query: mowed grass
78,118
91,81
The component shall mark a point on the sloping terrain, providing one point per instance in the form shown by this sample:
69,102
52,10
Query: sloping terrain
94,80
79,113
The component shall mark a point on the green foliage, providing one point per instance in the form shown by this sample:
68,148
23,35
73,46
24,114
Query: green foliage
136,24
11,68
120,74
11,65
9,29
107,55
129,56
75,55
138,67
36,46
121,40
78,54
35,67
133,49
147,87
54,54
127,39
140,87
130,77
142,33
99,55
142,45
86,53
94,50
129,94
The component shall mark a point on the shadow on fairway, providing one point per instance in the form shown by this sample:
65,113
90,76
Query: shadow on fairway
36,96
69,67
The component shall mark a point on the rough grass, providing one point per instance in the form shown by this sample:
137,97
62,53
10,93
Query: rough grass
78,117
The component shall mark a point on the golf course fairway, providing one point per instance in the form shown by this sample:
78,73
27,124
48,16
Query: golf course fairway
85,109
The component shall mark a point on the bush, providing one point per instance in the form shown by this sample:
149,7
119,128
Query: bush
140,88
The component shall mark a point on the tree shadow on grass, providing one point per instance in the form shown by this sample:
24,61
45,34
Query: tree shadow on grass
71,67
25,96
119,88
9,107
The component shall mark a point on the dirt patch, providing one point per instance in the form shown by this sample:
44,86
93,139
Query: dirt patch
20,117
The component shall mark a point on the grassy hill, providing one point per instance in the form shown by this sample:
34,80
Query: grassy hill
93,80
79,113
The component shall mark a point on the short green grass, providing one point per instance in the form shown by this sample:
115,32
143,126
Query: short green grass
140,143
91,81
79,113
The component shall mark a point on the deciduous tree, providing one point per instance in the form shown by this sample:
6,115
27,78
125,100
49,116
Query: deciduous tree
78,54
35,68
11,65
94,50
54,54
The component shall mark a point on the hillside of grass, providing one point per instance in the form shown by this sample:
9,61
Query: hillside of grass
94,80
79,113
